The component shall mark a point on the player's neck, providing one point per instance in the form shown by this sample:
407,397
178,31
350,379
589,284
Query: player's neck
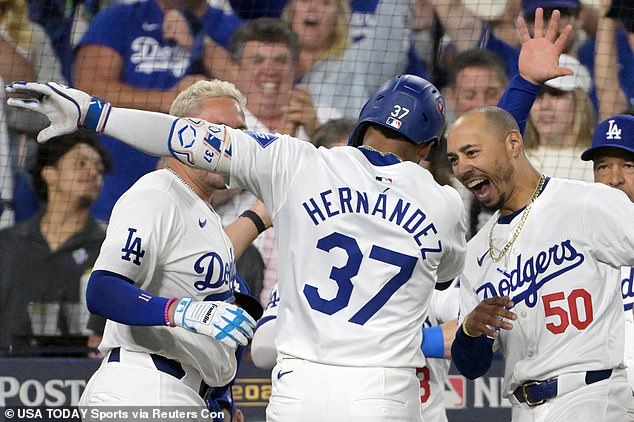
523,191
191,184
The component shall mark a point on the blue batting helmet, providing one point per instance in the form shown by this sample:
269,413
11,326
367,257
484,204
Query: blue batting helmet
407,104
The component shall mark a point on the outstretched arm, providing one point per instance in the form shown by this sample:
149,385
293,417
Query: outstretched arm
194,142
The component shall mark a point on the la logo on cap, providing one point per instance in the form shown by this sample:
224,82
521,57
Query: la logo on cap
613,130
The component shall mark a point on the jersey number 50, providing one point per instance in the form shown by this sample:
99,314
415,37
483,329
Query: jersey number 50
343,277
579,306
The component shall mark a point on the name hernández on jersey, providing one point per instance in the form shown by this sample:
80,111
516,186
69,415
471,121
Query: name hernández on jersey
344,200
530,274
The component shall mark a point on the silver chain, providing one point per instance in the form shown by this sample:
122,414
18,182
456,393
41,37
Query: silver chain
516,232
183,180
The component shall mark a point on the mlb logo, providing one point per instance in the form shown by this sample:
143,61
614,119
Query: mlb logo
455,392
395,123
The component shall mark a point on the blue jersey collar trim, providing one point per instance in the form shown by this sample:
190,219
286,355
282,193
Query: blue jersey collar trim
379,159
506,219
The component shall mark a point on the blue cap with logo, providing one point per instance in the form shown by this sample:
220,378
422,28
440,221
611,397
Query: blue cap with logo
614,132
529,6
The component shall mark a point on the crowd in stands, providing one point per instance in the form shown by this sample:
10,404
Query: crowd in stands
305,67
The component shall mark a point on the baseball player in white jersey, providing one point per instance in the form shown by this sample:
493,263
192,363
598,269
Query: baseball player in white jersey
442,318
535,279
165,241
263,350
443,310
364,233
612,152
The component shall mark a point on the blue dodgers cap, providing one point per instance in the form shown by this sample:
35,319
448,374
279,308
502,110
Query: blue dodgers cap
614,132
529,6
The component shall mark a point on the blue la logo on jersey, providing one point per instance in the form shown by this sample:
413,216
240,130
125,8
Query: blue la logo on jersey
531,274
264,139
133,247
274,299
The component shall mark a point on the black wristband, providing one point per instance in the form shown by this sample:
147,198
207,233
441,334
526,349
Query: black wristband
253,216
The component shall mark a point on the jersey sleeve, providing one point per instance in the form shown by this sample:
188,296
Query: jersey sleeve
455,245
267,164
136,241
608,220
447,303
468,297
263,349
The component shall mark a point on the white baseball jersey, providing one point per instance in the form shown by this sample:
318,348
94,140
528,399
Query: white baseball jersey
627,290
569,310
362,243
170,243
263,350
443,308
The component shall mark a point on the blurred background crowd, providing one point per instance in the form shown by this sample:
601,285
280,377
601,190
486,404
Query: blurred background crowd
305,66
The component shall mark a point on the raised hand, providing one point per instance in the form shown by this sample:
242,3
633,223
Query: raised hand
539,55
223,321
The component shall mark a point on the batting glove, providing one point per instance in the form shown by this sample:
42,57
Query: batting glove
221,320
68,109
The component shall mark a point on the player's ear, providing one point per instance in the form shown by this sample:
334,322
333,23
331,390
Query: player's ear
424,150
514,143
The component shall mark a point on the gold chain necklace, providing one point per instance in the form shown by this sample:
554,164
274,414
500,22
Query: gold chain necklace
516,232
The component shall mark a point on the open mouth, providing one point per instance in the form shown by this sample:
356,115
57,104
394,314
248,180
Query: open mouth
311,21
269,87
480,187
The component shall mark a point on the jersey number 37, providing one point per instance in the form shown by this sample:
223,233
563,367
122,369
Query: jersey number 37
343,277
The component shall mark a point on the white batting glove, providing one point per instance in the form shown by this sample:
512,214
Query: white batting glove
68,109
221,320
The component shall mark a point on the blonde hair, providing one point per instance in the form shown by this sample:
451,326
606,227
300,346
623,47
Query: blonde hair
187,102
338,41
584,119
17,24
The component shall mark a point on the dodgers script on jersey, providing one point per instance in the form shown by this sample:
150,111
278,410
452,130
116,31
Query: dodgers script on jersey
560,275
159,251
347,284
